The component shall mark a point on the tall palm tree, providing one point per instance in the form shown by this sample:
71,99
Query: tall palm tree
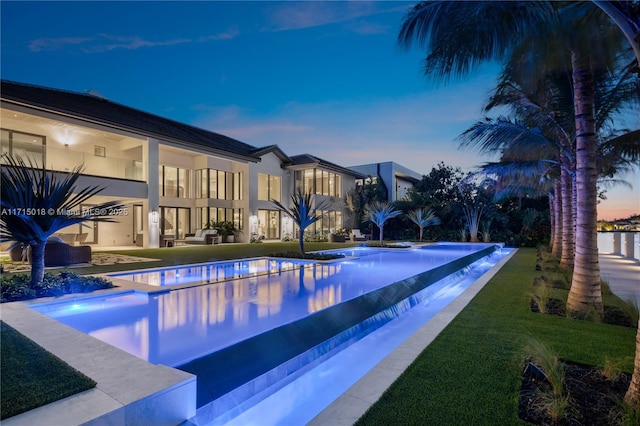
303,213
461,35
423,218
36,204
379,212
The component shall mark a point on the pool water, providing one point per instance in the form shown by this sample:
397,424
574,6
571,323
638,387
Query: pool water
257,314
211,272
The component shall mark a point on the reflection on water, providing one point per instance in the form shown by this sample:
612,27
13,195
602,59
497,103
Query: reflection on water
212,272
180,325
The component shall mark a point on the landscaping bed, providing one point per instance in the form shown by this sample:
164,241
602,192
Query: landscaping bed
594,398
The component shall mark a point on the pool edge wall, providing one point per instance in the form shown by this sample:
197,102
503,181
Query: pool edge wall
129,390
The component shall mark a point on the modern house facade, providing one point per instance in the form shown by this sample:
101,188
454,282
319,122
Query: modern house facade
173,178
396,178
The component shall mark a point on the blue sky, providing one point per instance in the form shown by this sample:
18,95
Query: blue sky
325,78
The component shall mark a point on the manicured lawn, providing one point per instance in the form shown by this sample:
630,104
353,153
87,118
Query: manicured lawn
470,375
32,377
197,254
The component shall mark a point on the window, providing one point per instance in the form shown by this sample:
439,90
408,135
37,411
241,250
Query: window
314,181
174,182
269,187
25,145
205,215
217,184
174,221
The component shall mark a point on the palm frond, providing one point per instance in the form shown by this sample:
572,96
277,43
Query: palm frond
35,203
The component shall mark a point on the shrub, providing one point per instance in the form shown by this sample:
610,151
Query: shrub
17,287
312,256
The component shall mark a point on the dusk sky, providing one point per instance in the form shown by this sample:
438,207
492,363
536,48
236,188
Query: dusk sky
324,78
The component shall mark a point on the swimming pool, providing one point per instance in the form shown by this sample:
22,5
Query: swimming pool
254,321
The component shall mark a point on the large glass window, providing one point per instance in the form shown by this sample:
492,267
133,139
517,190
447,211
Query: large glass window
314,181
174,221
31,148
269,187
269,224
174,182
217,184
206,215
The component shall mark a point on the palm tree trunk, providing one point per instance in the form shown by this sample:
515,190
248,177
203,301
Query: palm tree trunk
381,231
37,262
421,230
301,241
567,253
556,217
585,294
632,397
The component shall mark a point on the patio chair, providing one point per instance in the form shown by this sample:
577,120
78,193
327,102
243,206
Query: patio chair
356,235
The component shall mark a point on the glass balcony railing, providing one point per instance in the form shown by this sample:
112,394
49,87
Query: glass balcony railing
66,159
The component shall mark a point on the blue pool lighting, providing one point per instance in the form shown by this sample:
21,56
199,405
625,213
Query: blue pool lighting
255,326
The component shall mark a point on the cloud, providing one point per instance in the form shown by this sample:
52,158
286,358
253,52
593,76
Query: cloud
49,44
225,35
107,42
298,15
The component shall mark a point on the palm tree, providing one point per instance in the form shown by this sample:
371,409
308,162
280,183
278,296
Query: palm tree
36,204
379,212
461,35
302,212
423,218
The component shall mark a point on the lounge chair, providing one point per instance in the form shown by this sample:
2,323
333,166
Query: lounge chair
356,235
203,236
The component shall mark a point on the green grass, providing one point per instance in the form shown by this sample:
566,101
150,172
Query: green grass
198,254
470,374
32,377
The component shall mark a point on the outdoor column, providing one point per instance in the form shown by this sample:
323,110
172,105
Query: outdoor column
617,243
629,246
152,237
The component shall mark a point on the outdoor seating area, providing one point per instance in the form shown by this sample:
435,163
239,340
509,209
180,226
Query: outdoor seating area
356,235
202,236
73,239
59,253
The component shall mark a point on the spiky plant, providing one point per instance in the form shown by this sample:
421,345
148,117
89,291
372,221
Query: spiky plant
35,204
423,218
379,212
472,215
302,212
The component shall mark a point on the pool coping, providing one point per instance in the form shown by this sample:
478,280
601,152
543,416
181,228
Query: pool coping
353,403
129,389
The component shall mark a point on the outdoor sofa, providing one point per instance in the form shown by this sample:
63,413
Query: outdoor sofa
203,236
356,235
58,253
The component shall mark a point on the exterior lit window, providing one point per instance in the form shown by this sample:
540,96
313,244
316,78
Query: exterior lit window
320,182
269,187
218,184
25,145
174,182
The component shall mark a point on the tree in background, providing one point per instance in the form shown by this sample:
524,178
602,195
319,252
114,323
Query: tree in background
423,218
378,213
303,213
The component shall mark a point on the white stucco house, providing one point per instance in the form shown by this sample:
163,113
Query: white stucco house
173,177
